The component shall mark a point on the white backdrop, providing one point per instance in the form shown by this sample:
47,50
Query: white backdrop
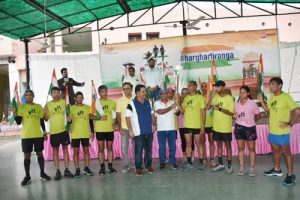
290,68
81,67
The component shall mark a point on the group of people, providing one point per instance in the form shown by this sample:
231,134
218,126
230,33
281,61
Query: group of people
194,114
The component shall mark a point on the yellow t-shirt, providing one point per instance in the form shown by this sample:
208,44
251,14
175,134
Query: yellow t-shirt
209,117
108,106
56,114
121,108
31,124
222,123
280,108
80,121
192,106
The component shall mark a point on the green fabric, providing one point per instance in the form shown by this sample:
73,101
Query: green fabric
19,19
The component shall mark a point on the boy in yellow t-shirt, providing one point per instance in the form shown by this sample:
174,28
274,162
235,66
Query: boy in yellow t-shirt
104,130
82,130
122,104
55,112
280,106
193,107
208,130
31,116
223,108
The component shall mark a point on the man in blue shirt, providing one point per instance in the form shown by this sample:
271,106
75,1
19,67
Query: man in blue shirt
140,122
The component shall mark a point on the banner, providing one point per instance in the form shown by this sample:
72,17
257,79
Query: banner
236,55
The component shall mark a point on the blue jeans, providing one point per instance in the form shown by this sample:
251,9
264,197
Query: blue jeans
162,136
141,142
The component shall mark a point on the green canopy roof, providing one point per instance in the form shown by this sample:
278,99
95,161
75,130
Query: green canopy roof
25,18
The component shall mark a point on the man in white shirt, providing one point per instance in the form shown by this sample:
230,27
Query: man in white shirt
131,78
165,109
153,79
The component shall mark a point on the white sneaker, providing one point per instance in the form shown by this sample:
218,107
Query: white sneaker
125,169
218,168
229,169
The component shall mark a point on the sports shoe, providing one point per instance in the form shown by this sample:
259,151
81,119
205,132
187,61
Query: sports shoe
201,167
218,168
193,159
68,174
242,172
252,172
289,180
162,166
125,169
139,172
77,173
26,180
273,172
102,171
88,172
45,177
187,167
174,166
213,163
205,161
112,170
150,170
184,160
57,175
229,169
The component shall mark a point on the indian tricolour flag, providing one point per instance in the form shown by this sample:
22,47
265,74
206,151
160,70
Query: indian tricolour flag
213,73
96,105
260,77
54,82
209,89
165,76
15,103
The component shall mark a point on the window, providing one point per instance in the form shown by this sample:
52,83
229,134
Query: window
152,35
134,37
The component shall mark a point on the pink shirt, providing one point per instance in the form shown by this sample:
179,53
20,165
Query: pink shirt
246,113
180,121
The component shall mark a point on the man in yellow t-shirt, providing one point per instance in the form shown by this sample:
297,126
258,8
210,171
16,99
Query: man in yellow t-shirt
55,112
31,116
104,130
280,106
121,119
223,108
193,107
208,131
82,130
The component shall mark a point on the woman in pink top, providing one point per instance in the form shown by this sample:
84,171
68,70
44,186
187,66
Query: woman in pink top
246,114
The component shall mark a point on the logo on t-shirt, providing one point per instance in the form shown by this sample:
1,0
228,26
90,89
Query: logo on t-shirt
273,105
57,109
190,104
105,107
31,113
81,115
220,104
242,114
